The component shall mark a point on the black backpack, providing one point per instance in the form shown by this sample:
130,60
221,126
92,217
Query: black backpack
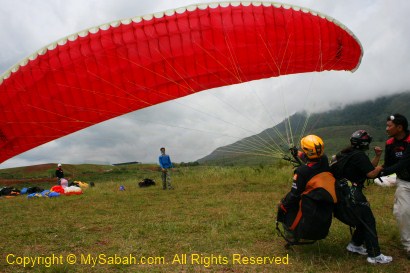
146,183
314,216
34,190
9,191
344,209
338,163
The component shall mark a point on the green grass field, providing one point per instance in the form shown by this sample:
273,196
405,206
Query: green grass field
218,219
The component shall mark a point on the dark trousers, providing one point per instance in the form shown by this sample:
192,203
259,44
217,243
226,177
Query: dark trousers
365,231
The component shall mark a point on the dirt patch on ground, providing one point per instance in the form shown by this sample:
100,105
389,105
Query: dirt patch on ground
11,182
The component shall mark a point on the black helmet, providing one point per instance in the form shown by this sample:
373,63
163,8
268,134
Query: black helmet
360,140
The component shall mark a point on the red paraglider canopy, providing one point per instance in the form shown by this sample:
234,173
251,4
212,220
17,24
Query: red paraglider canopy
127,65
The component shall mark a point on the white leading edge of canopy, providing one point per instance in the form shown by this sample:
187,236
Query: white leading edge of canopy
171,12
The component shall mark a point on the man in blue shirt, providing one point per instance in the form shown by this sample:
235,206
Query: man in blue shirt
166,164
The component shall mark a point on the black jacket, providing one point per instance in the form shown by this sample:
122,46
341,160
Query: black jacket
59,173
301,177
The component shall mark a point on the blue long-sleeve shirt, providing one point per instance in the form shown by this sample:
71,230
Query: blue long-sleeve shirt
165,162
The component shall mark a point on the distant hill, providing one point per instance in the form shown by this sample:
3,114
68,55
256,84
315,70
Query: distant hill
44,174
47,170
335,127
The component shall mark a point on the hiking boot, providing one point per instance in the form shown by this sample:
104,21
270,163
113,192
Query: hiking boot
356,249
381,259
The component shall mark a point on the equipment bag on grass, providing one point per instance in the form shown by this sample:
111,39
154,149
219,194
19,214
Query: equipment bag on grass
314,215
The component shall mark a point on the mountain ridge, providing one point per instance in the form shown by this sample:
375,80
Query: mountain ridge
334,127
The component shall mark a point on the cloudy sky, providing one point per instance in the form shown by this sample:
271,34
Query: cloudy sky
194,126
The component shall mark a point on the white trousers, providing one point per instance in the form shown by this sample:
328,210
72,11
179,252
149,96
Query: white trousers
401,210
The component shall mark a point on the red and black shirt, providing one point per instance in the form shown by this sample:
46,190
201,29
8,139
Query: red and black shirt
397,157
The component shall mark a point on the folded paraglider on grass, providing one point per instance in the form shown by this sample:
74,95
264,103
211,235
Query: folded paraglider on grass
75,188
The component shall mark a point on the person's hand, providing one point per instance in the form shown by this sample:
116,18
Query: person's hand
378,151
379,169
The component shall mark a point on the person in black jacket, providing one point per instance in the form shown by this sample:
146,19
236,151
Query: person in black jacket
59,173
397,160
317,162
357,169
306,212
